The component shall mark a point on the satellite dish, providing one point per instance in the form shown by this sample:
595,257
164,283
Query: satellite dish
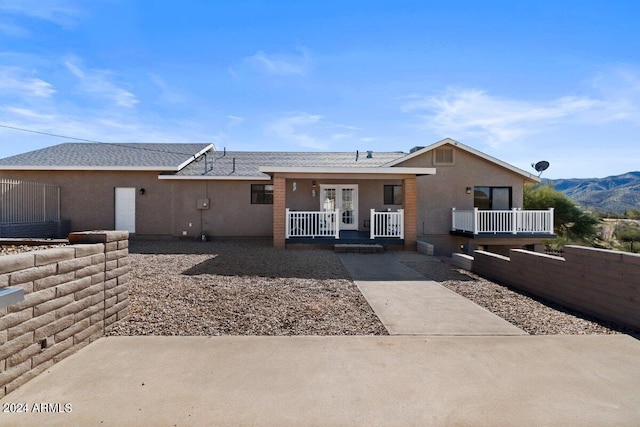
541,166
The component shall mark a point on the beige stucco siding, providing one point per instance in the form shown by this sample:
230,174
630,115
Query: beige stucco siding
88,197
230,213
167,207
438,193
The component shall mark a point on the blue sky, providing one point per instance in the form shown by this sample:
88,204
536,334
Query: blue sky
522,81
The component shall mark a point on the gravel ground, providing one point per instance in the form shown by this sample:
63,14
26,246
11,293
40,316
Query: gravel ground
14,249
242,287
531,314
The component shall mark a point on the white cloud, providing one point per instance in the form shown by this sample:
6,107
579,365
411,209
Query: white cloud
98,82
168,95
95,125
26,113
297,128
17,81
234,120
61,12
619,89
281,64
475,113
611,95
312,131
11,29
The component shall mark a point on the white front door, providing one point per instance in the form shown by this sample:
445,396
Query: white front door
126,209
345,198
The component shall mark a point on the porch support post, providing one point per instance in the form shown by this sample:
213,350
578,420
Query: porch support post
279,211
372,222
476,220
410,213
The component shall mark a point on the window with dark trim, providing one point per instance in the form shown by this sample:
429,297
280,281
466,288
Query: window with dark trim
492,198
393,194
261,194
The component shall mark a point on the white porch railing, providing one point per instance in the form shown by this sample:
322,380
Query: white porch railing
312,224
514,221
387,224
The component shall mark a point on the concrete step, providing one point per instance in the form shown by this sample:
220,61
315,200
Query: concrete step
358,248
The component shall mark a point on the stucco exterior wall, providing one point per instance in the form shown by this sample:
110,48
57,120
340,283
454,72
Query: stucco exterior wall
88,197
230,214
167,207
438,193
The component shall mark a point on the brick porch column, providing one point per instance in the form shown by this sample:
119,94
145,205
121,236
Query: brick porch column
279,213
410,213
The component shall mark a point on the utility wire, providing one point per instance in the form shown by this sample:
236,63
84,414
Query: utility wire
49,134
92,141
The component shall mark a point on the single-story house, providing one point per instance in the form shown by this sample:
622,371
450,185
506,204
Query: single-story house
446,194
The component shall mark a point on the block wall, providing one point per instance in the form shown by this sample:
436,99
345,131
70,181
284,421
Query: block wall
72,294
603,283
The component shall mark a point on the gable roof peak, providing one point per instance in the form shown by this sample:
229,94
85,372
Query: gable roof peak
457,144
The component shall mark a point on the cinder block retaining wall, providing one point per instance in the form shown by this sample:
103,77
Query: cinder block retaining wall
603,283
72,294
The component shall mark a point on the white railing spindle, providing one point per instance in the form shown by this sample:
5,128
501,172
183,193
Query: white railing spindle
387,224
312,224
514,221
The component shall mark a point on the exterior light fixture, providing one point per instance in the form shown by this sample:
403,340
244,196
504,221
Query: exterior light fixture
468,190
142,191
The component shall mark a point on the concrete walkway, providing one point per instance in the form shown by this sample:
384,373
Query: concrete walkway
408,304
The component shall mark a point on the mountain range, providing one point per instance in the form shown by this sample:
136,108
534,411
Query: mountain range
613,194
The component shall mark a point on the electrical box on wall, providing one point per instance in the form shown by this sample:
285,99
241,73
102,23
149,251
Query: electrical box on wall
203,203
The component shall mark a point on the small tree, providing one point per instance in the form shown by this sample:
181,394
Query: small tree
630,234
571,224
633,214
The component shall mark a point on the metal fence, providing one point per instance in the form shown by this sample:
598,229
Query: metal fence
24,201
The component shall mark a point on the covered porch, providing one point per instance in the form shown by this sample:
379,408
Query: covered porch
345,205
323,227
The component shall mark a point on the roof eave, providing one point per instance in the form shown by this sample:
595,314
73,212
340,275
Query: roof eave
90,168
214,178
349,171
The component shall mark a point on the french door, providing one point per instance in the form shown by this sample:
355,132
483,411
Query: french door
343,197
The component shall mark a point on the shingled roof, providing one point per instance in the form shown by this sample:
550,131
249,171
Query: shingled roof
102,156
247,163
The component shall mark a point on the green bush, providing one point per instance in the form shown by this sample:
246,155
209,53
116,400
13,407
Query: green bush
571,224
